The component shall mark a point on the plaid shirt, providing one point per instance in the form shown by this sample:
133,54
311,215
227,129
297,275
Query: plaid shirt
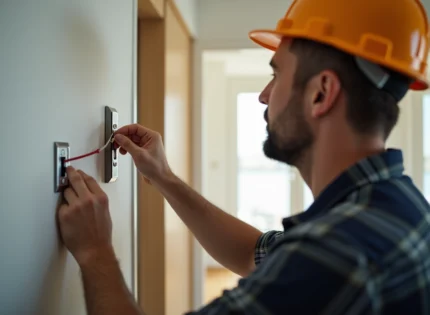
363,247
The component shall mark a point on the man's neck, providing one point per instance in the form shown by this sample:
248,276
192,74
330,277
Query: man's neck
326,161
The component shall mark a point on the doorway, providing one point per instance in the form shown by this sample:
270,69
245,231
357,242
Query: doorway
237,176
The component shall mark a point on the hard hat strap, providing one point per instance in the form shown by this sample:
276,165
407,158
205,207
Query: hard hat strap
390,82
373,72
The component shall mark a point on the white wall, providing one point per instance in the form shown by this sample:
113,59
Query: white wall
408,136
61,62
226,24
426,4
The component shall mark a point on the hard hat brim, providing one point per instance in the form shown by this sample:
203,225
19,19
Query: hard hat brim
271,39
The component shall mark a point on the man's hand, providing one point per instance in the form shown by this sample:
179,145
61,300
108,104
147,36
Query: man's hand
233,245
86,229
146,148
85,222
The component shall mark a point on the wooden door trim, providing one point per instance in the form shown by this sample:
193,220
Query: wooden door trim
151,90
135,211
151,9
172,5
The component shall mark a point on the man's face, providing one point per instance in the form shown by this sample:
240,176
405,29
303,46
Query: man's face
289,132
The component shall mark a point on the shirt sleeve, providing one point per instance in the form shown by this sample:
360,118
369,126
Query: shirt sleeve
308,276
265,241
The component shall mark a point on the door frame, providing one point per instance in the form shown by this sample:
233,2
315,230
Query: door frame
135,209
151,90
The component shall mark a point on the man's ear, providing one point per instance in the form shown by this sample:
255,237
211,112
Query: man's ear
325,91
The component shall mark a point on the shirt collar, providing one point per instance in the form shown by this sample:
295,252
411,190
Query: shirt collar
372,169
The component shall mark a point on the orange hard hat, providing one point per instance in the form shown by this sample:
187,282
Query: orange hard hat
392,34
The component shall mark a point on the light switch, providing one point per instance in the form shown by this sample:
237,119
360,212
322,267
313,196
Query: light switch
111,154
61,153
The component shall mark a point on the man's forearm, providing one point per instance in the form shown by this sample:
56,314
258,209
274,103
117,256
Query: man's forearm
105,289
229,240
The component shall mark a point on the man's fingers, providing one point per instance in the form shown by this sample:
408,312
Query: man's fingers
134,129
127,144
62,214
137,134
91,183
77,182
70,195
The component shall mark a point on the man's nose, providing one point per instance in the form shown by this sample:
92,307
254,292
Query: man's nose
262,99
264,96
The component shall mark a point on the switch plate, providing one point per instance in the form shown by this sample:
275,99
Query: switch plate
61,151
111,154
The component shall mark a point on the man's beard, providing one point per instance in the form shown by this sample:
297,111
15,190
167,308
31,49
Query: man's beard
290,135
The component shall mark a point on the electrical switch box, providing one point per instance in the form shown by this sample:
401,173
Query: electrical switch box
111,154
61,153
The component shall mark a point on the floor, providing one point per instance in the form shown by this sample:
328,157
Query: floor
218,280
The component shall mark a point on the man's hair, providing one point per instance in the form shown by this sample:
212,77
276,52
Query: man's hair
369,109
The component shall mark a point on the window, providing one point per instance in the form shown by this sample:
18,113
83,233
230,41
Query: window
426,146
308,198
263,185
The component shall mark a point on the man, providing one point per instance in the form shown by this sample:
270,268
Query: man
340,69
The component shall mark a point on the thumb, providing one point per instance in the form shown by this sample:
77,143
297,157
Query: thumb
128,145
